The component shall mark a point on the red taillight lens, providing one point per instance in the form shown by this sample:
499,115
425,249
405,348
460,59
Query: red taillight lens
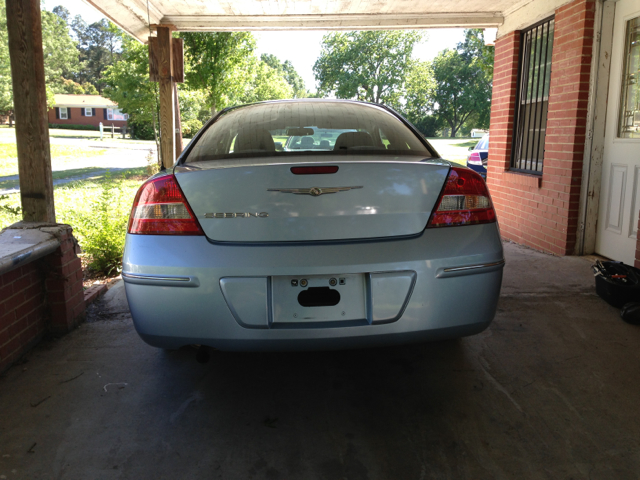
161,209
465,200
475,159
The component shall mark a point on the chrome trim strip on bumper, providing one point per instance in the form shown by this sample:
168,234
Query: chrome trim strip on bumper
160,280
469,270
483,265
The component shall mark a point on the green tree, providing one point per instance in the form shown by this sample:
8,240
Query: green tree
369,66
60,58
288,71
463,82
127,84
418,107
6,90
60,54
99,46
473,48
216,63
263,83
69,86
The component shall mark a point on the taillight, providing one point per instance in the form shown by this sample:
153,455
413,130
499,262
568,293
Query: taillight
464,200
161,209
314,170
474,159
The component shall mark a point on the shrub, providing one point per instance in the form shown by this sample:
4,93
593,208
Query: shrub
10,210
153,165
68,126
191,127
141,130
102,227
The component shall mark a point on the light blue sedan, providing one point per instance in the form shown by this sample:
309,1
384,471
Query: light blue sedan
373,241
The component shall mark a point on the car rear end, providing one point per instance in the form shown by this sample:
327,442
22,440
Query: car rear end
479,157
301,253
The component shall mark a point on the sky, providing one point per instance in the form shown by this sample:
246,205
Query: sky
302,48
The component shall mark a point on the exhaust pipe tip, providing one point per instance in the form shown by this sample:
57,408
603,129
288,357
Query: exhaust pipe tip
204,354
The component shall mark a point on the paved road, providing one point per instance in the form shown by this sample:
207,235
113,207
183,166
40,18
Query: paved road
119,156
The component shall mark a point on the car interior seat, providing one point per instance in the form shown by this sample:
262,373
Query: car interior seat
348,140
306,142
257,139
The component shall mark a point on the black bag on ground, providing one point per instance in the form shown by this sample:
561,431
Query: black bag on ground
617,283
630,313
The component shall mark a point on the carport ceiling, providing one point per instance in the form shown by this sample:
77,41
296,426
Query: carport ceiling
239,15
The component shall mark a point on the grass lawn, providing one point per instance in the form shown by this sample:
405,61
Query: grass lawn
61,156
8,135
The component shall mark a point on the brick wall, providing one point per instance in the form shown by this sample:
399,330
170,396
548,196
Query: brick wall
22,311
76,118
542,212
42,296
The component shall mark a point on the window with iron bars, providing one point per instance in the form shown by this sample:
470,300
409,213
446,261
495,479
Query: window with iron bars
536,48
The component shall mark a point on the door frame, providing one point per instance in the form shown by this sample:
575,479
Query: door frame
596,122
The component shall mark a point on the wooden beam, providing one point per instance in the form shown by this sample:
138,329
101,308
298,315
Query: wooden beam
153,59
167,101
24,28
179,145
178,60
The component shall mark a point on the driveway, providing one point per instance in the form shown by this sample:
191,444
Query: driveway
550,390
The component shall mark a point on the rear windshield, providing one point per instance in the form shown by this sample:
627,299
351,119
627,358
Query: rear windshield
483,144
307,129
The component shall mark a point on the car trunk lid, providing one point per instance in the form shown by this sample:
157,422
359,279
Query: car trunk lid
269,203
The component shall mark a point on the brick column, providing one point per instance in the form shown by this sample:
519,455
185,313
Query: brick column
542,211
64,285
567,121
503,101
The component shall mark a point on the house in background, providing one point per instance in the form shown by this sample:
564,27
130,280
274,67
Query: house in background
86,110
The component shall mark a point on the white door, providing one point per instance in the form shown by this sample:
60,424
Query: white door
617,229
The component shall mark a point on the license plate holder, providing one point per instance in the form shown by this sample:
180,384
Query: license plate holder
285,290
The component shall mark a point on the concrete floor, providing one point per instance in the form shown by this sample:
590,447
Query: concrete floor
551,390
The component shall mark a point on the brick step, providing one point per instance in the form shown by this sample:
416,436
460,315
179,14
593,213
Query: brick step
92,293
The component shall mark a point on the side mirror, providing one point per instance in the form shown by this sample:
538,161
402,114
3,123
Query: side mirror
471,149
278,146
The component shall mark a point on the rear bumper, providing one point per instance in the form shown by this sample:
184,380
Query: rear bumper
174,289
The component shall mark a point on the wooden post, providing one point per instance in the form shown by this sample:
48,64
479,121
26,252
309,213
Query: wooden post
167,101
24,28
178,77
179,145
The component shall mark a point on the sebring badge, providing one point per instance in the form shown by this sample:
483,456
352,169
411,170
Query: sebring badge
236,215
313,191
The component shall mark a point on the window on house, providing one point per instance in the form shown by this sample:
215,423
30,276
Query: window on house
115,114
536,48
629,115
88,112
63,113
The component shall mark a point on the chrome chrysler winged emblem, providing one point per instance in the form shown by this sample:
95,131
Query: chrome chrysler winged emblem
313,191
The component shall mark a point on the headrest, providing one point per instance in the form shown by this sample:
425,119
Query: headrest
257,139
324,144
349,140
306,142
